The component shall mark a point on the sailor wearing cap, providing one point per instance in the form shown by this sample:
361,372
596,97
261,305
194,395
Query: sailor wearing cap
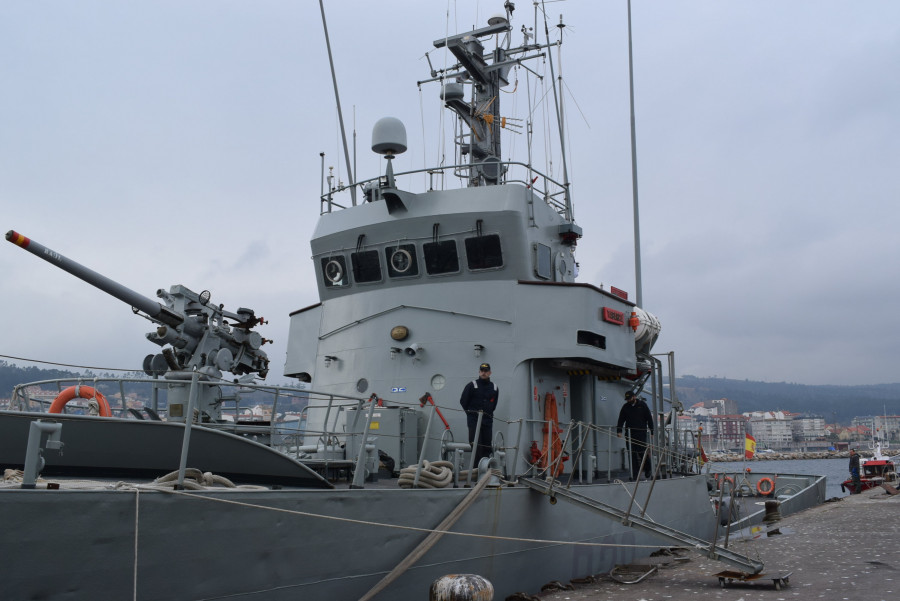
636,416
480,395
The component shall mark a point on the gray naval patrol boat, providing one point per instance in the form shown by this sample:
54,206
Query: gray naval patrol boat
417,288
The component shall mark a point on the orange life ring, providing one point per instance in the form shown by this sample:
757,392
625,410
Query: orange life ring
552,442
84,392
769,488
728,479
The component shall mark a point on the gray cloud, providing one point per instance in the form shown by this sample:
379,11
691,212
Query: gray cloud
179,143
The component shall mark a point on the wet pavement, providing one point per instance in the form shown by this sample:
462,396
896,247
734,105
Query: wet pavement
848,549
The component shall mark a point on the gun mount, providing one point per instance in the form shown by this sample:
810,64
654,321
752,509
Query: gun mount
194,334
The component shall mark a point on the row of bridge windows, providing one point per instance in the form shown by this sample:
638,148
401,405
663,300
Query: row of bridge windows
405,261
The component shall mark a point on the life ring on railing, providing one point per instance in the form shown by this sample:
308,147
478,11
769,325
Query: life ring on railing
727,479
770,486
84,392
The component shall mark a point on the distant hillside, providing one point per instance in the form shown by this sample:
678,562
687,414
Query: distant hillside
12,375
834,403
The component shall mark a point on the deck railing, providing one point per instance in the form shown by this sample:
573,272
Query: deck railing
324,432
548,189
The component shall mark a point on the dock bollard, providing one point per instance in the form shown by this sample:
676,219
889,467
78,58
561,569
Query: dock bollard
772,512
461,587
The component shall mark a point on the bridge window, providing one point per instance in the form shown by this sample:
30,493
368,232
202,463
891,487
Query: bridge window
334,271
591,338
366,267
441,257
542,264
483,252
401,260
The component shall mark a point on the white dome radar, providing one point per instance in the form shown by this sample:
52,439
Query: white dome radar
498,19
389,136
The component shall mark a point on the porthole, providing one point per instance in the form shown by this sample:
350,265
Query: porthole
438,381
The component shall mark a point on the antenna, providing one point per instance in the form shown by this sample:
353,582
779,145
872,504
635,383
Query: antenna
562,138
337,98
638,292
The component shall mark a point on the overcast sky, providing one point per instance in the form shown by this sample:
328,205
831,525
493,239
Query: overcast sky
178,142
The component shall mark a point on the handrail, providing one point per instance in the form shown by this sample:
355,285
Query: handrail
582,440
327,203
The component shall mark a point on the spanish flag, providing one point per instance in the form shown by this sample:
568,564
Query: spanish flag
703,458
749,446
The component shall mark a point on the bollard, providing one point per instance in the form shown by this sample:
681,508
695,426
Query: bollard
772,512
461,587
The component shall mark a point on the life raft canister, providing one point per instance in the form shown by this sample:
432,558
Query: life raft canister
765,486
84,392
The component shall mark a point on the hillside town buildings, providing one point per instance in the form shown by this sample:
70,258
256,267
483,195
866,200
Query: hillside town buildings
722,428
884,427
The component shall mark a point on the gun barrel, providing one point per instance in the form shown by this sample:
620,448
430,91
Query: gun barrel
152,308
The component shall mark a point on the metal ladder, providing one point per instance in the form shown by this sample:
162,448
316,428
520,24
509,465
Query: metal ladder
659,530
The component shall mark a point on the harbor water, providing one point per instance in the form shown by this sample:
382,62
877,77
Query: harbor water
835,470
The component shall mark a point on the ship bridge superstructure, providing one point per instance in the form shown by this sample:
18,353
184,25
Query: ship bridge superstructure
418,287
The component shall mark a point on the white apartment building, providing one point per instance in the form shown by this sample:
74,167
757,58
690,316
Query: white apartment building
771,429
808,427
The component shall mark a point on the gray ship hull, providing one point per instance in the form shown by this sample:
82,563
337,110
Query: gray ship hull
315,544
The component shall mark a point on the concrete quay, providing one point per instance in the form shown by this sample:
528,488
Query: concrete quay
848,549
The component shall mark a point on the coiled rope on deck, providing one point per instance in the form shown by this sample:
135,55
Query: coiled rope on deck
437,474
194,479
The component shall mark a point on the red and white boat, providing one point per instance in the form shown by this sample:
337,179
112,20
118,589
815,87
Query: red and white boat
878,470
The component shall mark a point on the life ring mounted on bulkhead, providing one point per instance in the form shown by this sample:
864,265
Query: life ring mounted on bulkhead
767,489
552,448
84,392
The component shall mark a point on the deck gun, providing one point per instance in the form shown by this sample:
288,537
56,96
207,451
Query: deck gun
193,332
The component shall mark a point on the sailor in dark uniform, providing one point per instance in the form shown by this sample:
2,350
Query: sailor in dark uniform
636,416
854,473
480,395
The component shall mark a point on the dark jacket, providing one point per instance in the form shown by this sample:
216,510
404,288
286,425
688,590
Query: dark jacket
480,395
854,464
635,417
